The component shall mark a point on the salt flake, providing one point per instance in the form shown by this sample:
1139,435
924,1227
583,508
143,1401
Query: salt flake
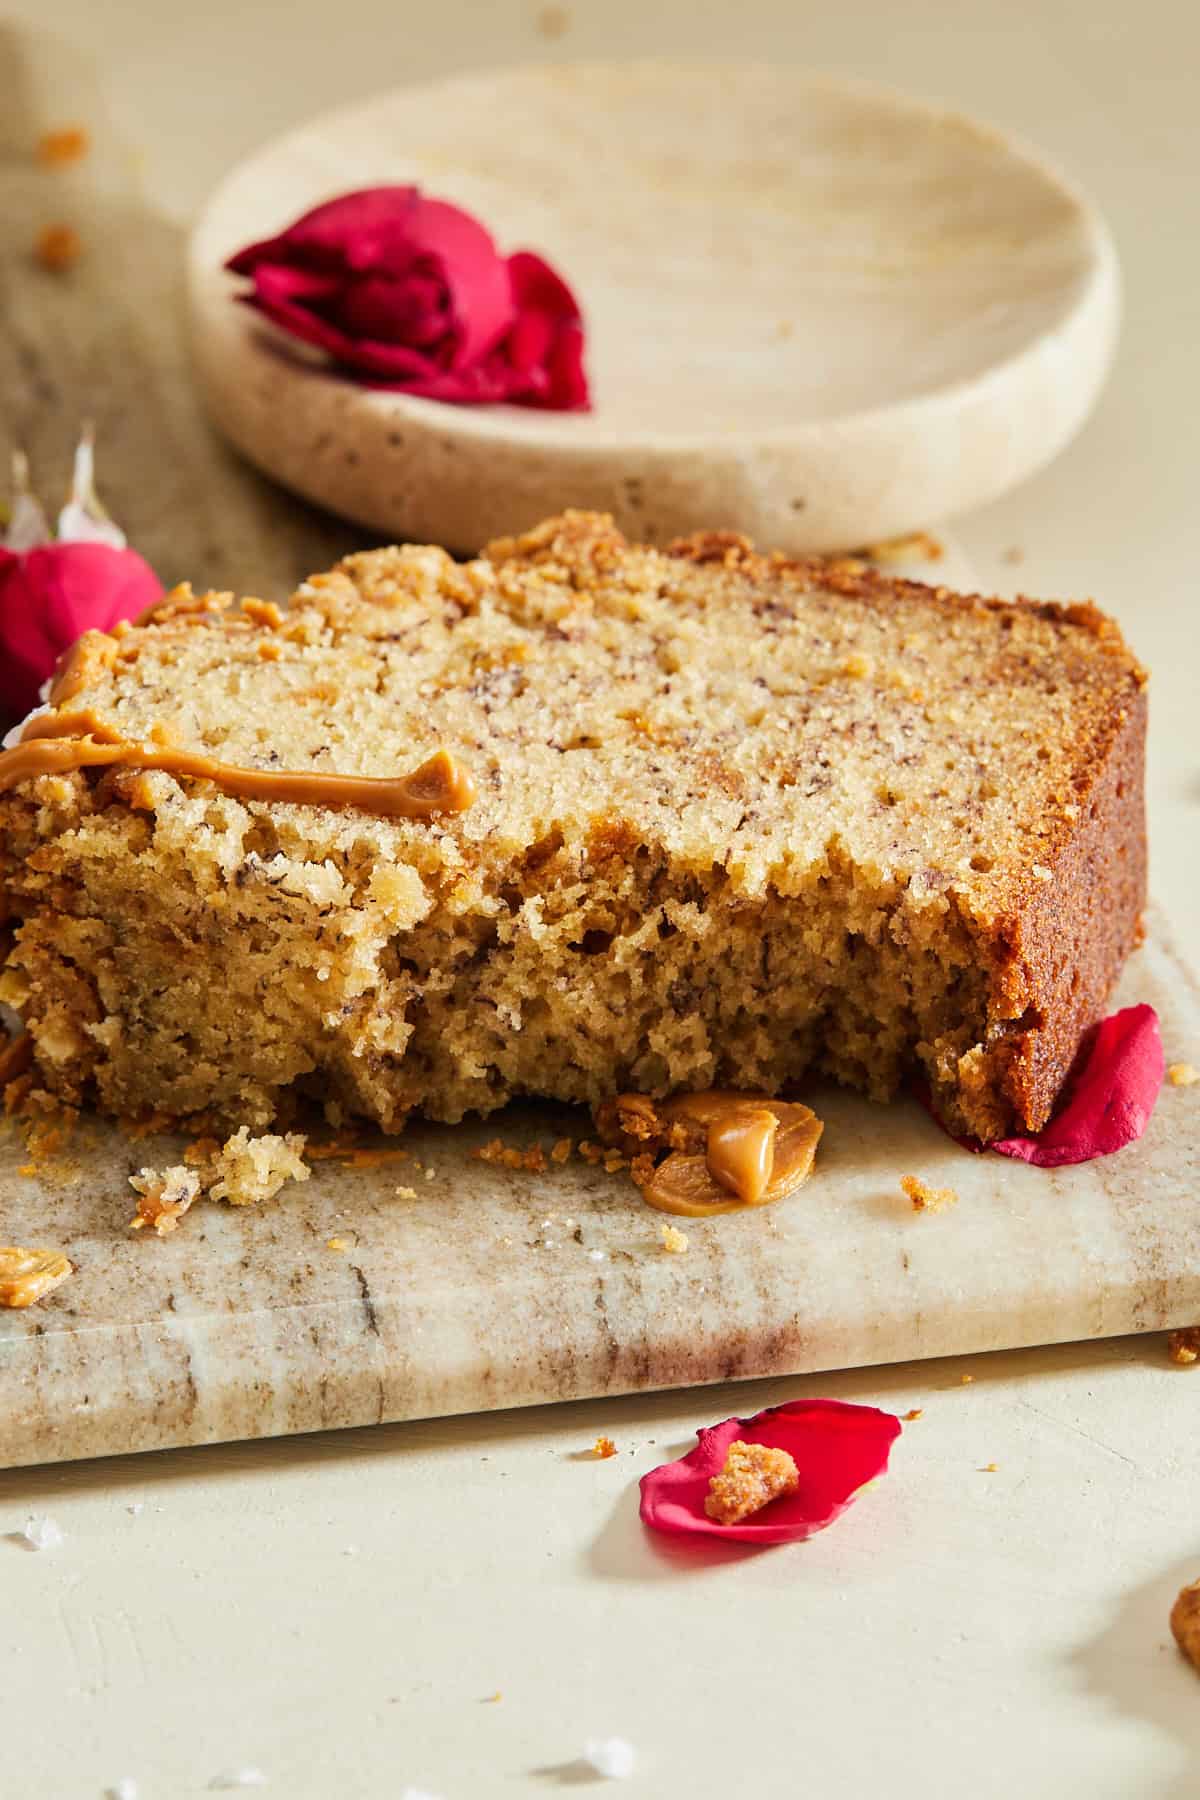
614,1758
42,1534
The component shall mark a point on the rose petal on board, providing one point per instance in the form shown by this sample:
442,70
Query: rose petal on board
1111,1096
51,595
838,1449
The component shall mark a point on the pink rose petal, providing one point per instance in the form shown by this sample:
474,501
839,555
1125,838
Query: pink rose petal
1107,1102
412,294
837,1448
1111,1096
51,595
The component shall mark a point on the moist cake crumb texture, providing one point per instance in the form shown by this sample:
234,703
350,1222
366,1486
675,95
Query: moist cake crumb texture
738,819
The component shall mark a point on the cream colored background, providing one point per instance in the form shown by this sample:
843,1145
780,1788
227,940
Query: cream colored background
336,1609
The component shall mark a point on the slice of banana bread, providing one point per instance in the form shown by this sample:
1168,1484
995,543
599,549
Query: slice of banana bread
722,819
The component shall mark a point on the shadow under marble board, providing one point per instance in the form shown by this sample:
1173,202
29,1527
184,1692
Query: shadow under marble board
493,1287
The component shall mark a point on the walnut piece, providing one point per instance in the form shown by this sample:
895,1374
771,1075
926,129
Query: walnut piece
1185,1622
925,1198
753,1476
28,1275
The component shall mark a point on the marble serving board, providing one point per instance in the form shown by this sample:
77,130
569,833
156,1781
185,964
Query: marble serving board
494,1287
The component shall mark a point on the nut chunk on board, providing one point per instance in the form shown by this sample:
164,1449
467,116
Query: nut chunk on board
576,818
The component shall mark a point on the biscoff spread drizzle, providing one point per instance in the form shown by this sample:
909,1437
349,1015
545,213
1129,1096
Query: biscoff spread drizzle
57,743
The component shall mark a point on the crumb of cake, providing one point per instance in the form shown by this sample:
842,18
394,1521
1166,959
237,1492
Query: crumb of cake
614,1758
916,546
552,21
1185,1622
406,1193
509,1157
164,1195
67,144
914,1412
925,1198
249,1169
338,1243
674,1241
989,1469
562,1150
42,1534
604,1448
1183,1074
753,1476
1183,1347
965,1380
57,248
591,1153
28,1275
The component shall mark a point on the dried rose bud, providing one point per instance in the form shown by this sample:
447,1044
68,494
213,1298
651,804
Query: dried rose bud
53,590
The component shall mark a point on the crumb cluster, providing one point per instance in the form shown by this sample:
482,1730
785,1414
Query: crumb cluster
753,1475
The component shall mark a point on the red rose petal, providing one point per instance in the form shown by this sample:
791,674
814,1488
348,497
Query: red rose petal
51,595
412,294
1108,1099
837,1449
1111,1098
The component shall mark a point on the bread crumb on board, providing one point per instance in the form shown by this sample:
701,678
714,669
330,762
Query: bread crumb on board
164,1195
925,1198
244,1171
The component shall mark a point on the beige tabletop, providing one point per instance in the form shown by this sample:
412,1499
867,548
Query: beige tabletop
457,1606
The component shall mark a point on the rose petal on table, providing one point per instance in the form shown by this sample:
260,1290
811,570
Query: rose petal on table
838,1448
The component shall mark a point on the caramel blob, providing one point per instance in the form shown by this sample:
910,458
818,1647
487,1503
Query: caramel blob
756,1150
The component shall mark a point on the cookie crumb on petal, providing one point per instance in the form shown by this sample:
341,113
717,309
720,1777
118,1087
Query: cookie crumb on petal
753,1475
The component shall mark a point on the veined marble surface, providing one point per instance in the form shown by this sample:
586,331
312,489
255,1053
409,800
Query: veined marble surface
496,1288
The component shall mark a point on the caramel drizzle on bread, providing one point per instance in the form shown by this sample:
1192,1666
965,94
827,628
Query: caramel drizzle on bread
58,743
